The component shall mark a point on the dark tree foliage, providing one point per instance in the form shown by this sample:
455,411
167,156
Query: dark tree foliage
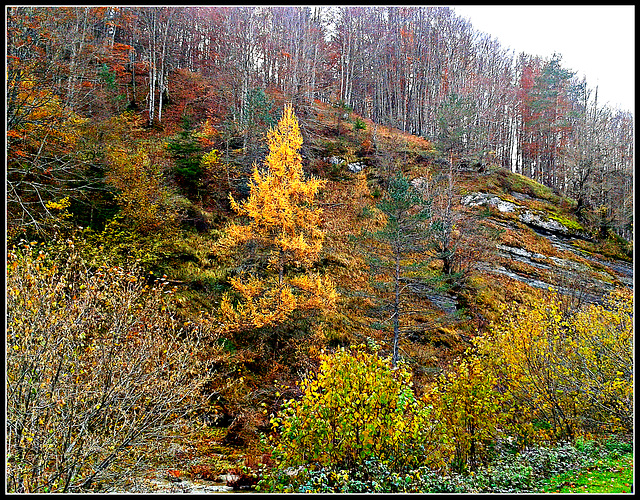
398,251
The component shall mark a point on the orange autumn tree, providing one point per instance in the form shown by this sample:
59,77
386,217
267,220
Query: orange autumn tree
283,237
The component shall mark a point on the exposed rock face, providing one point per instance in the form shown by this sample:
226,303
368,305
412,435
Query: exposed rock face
533,218
541,222
420,183
592,286
354,167
521,252
334,160
590,282
478,199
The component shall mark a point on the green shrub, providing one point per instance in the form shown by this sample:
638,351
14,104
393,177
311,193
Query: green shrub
549,461
611,446
373,476
187,154
359,124
618,447
355,409
508,472
505,477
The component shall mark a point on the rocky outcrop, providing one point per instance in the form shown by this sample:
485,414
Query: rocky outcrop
592,282
353,167
334,160
539,221
479,199
535,219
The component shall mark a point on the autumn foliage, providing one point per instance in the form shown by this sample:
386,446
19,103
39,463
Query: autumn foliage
565,375
140,194
469,411
537,377
357,408
42,163
96,367
283,231
136,149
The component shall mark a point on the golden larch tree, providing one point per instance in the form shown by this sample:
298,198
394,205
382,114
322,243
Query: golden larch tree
284,224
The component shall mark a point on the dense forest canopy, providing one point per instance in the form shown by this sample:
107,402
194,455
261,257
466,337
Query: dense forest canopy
424,70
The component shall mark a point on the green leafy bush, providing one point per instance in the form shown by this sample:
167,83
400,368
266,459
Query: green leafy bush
373,476
612,446
507,472
355,409
618,447
549,461
470,413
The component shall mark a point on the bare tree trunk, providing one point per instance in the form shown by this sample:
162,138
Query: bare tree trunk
76,51
164,85
396,311
152,68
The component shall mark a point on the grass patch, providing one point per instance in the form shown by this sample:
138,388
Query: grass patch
609,475
613,247
570,224
522,184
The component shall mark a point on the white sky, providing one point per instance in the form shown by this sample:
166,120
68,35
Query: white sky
596,41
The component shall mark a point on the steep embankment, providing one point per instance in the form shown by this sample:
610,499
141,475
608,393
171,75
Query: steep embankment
542,245
536,242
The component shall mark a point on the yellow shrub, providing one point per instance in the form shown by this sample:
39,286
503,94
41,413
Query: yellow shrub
356,408
96,366
469,411
565,374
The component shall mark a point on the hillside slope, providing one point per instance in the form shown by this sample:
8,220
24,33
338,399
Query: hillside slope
516,239
510,240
